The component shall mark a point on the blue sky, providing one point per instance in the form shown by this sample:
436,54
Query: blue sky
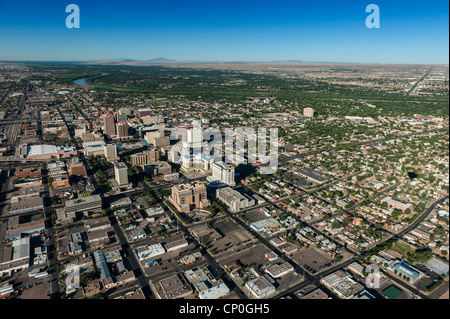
227,30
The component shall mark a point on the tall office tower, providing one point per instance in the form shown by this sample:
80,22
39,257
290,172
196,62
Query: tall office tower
125,111
144,112
195,135
308,111
222,172
153,155
110,151
187,196
108,124
121,173
122,129
122,117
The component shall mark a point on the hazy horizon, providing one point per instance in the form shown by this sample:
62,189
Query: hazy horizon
411,32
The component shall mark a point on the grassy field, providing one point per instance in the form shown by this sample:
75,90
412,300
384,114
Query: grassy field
403,248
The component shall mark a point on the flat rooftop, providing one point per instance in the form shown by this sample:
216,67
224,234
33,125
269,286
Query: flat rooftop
26,204
33,150
82,200
120,165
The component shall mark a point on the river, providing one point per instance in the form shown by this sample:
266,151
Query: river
82,82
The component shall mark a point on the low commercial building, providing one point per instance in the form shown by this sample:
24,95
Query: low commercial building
234,200
206,284
260,287
123,202
94,148
316,294
137,233
103,270
77,168
28,172
215,292
421,234
92,288
177,244
15,256
6,290
279,270
162,141
26,192
149,251
264,224
311,175
356,268
408,271
202,231
396,204
17,230
26,205
158,168
89,204
59,181
29,183
341,284
190,259
173,287
155,210
97,224
50,151
138,159
98,238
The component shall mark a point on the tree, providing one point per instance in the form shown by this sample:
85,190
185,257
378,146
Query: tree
85,278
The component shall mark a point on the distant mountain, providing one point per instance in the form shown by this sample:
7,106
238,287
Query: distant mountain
284,61
160,59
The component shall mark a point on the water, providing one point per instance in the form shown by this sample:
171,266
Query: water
82,82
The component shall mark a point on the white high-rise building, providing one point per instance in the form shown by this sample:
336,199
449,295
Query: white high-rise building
308,111
195,135
110,151
151,136
222,172
121,173
197,160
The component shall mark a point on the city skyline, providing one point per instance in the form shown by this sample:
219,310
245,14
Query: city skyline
204,31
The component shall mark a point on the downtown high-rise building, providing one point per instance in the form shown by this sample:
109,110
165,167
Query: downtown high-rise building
222,172
121,173
122,129
308,111
187,196
109,126
111,151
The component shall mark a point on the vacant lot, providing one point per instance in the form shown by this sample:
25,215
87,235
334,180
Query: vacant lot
312,260
403,248
232,235
253,216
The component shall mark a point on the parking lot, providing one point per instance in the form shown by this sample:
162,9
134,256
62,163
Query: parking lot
312,260
232,236
253,216
251,255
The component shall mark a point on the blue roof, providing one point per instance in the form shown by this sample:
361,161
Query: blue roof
407,270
